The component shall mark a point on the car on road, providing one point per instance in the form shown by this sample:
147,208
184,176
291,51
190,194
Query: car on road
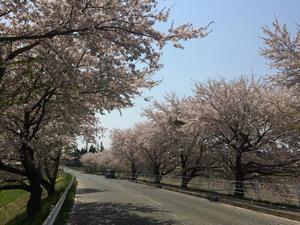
109,174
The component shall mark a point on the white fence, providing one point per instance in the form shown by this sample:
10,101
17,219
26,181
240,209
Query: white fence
56,209
287,192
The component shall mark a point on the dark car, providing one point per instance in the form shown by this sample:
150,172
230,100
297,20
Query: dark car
109,174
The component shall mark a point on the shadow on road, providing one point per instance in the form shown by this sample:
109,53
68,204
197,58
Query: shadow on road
110,213
88,190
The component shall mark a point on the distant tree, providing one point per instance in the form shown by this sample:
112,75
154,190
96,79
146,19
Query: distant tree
188,136
156,149
126,148
100,160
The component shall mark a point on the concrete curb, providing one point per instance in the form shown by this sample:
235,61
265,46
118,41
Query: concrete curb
280,213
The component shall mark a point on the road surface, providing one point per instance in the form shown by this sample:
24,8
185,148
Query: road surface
101,201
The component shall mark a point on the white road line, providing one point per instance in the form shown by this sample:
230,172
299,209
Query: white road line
186,195
229,206
149,199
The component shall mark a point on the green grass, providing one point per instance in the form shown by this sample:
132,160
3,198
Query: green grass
10,196
62,181
19,215
12,209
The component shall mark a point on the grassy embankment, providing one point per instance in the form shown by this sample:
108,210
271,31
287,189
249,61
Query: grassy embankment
13,203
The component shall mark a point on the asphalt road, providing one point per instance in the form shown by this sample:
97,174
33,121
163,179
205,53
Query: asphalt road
101,201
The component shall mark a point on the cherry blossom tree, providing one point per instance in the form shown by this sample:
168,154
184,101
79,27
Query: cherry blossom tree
32,139
125,147
22,125
283,51
89,161
101,160
156,149
189,138
68,60
43,101
54,140
107,39
245,118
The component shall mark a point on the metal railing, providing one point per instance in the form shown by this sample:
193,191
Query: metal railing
287,192
56,209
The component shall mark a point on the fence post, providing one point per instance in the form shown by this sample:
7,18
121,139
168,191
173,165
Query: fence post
224,186
298,193
257,189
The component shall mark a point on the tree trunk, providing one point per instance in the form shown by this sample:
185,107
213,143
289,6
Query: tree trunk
2,72
157,176
52,177
51,189
35,181
34,203
133,171
157,179
185,179
53,180
239,190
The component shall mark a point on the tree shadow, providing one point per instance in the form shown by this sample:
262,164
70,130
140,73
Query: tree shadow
88,190
110,213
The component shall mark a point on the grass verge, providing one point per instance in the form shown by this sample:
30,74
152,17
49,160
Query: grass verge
9,196
47,204
12,209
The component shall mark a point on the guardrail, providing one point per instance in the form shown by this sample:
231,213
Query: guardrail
55,211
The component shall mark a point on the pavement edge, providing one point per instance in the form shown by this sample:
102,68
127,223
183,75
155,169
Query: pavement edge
274,212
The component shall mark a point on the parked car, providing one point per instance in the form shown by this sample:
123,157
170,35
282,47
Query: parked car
109,174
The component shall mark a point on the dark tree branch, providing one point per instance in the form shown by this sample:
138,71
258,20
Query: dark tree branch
45,183
21,50
15,186
5,13
11,169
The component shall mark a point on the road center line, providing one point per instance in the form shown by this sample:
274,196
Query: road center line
149,199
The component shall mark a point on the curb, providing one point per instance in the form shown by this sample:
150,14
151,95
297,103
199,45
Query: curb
273,212
212,197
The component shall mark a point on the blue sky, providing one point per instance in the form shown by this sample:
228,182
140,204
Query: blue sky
230,50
